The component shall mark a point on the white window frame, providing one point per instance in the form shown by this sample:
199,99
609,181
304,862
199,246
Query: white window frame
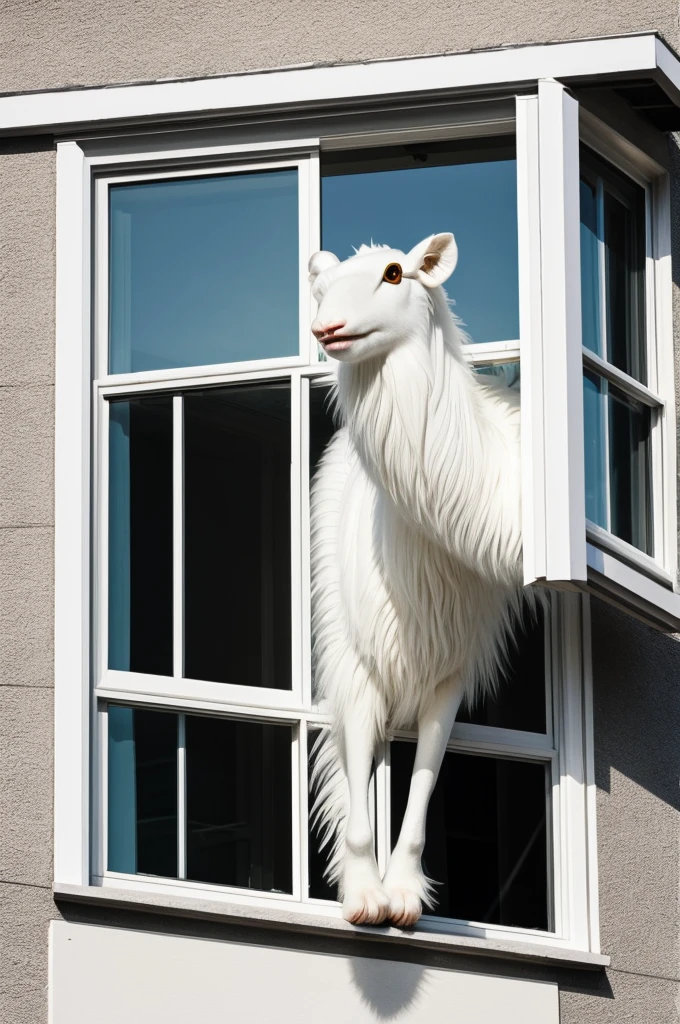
81,499
568,551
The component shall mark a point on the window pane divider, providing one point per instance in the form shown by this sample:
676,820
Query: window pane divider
120,685
181,798
492,352
177,536
205,376
621,380
485,739
645,563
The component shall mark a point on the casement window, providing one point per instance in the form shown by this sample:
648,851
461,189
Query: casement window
192,409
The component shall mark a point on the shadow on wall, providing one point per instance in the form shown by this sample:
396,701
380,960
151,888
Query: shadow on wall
388,989
636,691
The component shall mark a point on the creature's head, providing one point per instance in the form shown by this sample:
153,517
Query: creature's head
377,299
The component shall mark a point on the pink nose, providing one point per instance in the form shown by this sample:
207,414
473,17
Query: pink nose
326,330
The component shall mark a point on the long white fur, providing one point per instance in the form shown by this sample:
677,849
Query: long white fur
416,532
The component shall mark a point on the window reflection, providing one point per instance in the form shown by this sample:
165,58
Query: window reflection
399,195
189,274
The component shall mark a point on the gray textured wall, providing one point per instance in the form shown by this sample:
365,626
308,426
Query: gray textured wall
637,766
26,591
46,44
637,672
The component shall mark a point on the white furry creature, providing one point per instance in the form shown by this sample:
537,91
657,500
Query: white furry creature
416,550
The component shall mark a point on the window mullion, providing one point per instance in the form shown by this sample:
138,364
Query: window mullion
382,831
562,408
607,463
621,380
181,797
178,535
297,543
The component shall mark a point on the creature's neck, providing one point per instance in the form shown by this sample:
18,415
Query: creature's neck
419,421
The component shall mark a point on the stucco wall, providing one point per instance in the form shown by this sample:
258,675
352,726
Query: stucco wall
49,44
26,572
637,766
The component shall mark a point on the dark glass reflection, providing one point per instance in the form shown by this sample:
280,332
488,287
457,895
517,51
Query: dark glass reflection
322,423
625,478
624,233
190,272
519,701
400,195
142,784
487,834
239,812
613,249
590,274
595,450
140,535
630,469
237,536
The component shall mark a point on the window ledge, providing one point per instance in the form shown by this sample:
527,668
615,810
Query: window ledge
298,921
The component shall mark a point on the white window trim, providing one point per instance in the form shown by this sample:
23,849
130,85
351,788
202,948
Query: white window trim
284,87
561,549
574,863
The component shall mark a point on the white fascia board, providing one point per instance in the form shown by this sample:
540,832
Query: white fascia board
669,67
281,88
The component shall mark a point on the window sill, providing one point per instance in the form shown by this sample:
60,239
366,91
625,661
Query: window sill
297,921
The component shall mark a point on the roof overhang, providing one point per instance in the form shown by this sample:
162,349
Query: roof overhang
641,63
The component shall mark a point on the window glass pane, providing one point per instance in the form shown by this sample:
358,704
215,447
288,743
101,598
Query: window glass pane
624,242
613,244
595,438
629,466
189,274
487,836
519,701
142,783
590,275
621,475
140,535
399,195
237,536
322,423
239,810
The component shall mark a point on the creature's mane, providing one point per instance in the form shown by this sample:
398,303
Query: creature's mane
364,249
431,434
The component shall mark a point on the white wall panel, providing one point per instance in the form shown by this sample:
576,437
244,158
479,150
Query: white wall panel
111,975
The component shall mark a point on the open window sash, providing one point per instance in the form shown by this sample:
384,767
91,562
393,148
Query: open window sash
562,548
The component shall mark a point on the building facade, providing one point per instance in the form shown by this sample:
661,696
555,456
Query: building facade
129,709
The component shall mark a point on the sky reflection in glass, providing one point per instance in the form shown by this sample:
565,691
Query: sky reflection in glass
477,201
203,270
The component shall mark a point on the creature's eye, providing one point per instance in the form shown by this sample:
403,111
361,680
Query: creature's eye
392,273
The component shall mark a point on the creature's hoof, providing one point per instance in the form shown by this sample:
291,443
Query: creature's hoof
405,907
366,906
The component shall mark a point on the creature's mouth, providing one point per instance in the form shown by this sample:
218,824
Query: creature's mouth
339,342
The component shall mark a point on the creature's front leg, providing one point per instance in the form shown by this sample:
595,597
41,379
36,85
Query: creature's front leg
364,899
405,883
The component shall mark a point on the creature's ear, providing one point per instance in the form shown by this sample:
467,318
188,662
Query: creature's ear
319,262
432,260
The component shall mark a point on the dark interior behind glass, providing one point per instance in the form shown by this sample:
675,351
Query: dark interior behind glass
239,816
237,535
140,535
487,835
